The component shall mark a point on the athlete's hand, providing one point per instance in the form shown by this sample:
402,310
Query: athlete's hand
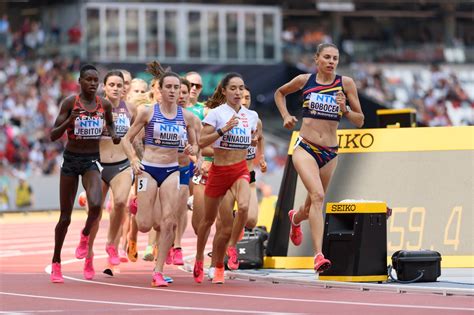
263,165
74,114
341,101
136,166
116,139
289,122
188,149
234,121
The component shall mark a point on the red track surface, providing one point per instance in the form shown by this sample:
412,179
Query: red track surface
26,245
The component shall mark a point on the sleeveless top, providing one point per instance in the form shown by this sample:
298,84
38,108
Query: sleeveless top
319,101
197,109
240,136
89,124
122,123
163,132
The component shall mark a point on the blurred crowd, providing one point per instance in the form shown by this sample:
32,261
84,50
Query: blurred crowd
438,95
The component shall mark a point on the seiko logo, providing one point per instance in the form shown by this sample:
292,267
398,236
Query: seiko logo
354,141
343,208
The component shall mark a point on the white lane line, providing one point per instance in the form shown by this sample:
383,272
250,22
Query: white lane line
171,307
33,311
277,298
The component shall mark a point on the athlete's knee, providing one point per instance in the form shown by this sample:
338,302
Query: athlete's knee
168,224
316,197
225,232
64,221
251,223
243,208
120,205
143,225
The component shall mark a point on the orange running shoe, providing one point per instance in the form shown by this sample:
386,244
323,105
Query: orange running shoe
218,276
56,274
198,272
233,261
320,263
132,251
296,235
158,280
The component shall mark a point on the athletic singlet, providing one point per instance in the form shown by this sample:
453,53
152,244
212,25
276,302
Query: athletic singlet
164,132
319,101
238,137
198,110
183,141
251,152
122,123
89,124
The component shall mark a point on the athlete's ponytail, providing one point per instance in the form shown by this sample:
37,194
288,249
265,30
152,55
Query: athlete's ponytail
218,98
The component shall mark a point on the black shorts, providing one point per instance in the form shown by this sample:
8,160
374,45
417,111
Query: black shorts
252,177
75,164
110,170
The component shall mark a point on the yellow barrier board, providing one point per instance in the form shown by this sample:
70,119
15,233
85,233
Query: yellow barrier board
401,139
356,207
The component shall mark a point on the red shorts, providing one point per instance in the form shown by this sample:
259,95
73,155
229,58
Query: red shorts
221,178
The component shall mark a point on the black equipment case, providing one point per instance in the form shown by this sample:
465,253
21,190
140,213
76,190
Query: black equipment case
250,249
417,266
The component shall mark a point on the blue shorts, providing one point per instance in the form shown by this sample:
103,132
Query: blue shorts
184,175
160,172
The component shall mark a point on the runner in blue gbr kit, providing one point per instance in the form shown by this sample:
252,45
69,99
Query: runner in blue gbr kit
158,172
315,155
82,116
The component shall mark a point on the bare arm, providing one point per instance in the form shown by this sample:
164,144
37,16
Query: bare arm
261,149
209,134
355,115
192,147
65,117
109,121
294,85
141,120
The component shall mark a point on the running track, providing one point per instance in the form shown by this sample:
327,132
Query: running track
26,244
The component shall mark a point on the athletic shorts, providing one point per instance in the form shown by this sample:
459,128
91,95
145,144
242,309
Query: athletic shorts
75,164
221,178
252,177
323,155
110,170
184,175
160,172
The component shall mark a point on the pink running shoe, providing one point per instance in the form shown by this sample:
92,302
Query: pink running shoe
178,257
89,271
123,256
296,235
114,258
158,280
233,261
198,272
320,263
56,274
169,257
83,247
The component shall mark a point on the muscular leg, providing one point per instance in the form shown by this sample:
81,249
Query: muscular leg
92,183
198,206
242,196
253,207
120,185
211,208
67,192
168,195
310,174
182,214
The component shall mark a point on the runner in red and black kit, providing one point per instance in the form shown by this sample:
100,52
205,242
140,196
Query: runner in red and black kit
82,117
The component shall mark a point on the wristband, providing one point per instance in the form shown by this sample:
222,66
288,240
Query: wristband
220,132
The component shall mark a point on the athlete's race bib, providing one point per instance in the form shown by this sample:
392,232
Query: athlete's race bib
324,105
88,127
122,124
238,137
252,152
167,135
